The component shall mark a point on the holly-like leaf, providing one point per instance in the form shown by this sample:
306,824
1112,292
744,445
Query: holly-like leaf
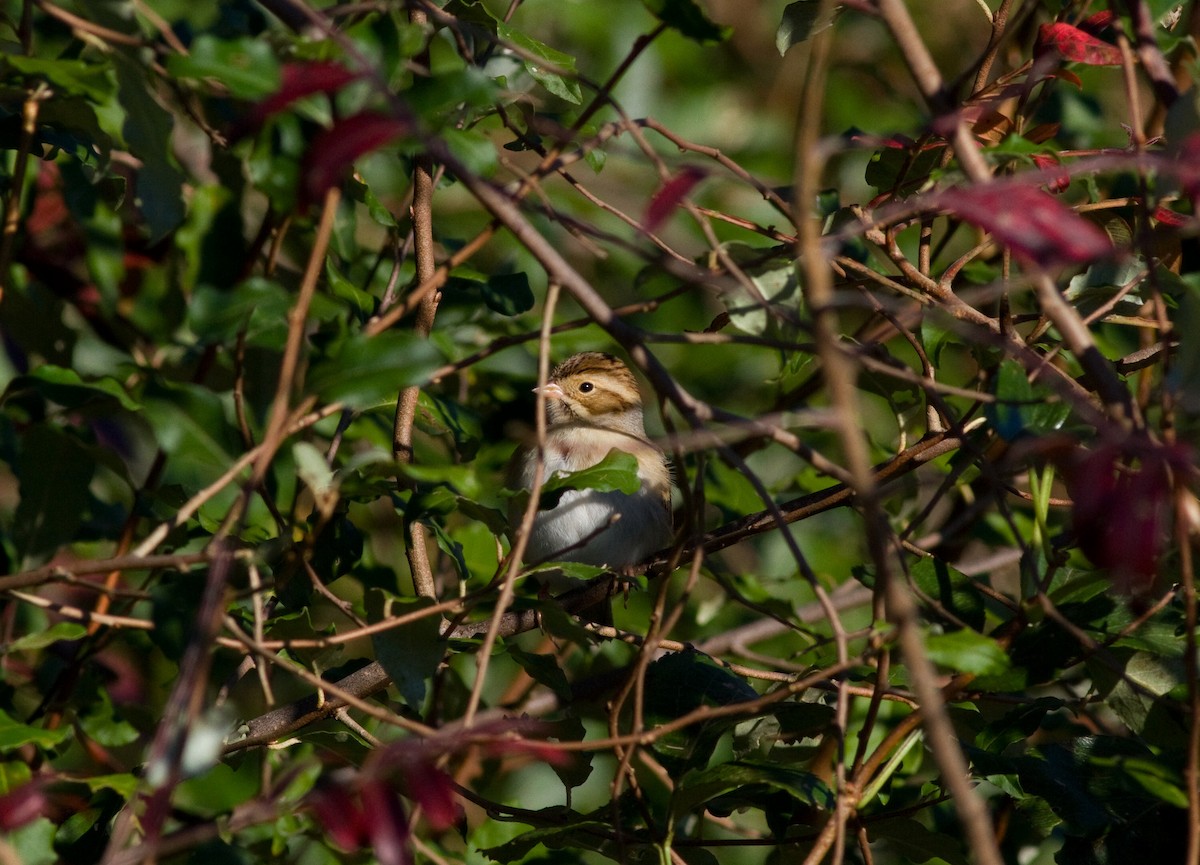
951,589
54,473
1022,408
68,388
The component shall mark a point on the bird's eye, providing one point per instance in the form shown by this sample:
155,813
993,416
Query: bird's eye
586,387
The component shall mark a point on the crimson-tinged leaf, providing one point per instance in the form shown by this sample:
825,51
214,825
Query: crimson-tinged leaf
1166,216
1059,181
23,805
1098,22
339,813
1032,223
387,823
298,80
1077,45
334,150
433,790
1121,513
668,196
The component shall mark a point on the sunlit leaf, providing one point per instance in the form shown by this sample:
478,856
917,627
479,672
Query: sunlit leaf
1033,223
246,66
801,20
1077,45
967,652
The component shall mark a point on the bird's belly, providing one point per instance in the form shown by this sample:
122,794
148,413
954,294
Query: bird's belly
581,528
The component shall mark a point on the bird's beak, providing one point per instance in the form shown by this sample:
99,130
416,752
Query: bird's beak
550,391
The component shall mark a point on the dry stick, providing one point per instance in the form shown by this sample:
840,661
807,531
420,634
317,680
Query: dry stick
417,546
531,507
900,604
1156,66
999,23
817,285
12,207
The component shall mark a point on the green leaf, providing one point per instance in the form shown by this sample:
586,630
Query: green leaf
33,843
125,785
71,390
473,149
54,472
257,305
93,80
683,681
896,168
368,371
967,652
411,653
508,293
544,670
192,425
1159,780
148,129
1022,408
700,787
778,290
14,734
560,86
58,631
915,843
953,590
801,21
617,471
247,66
688,18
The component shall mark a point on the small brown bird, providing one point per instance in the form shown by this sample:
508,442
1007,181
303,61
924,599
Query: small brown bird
593,406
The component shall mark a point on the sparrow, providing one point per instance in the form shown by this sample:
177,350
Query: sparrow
594,406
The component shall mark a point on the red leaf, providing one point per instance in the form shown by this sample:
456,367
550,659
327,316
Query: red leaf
1187,161
1166,216
432,789
1121,515
386,822
23,805
332,153
669,195
298,80
1097,22
1060,180
1034,224
1076,45
340,814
